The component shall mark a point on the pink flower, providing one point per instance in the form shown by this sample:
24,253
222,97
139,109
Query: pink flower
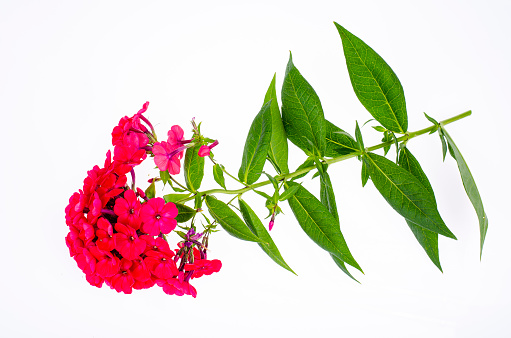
168,157
175,136
205,150
158,216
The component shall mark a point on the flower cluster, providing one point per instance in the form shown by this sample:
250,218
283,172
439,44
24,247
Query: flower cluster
116,232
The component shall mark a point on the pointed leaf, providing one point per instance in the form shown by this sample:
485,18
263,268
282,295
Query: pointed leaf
343,267
364,174
309,162
426,238
150,192
338,142
405,194
302,114
218,175
229,220
289,193
175,197
470,187
193,168
327,196
319,224
165,177
185,213
257,227
278,151
375,83
358,137
256,146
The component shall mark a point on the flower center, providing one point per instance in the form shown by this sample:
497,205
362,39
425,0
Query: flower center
132,238
157,216
132,211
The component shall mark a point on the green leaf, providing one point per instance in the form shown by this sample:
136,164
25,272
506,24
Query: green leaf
273,181
343,267
327,196
278,151
150,192
328,200
426,238
193,168
432,120
229,220
319,224
338,142
185,213
175,197
374,82
309,162
218,175
470,187
256,146
288,193
358,137
198,201
262,193
405,193
302,114
257,227
165,177
364,174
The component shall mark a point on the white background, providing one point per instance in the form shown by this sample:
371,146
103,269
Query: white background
71,69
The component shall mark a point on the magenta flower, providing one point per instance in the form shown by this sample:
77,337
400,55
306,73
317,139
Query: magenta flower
128,209
206,150
158,216
123,280
127,242
160,264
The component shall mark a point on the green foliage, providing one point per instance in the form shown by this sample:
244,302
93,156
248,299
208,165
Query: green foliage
185,213
470,188
175,197
405,193
256,146
229,220
278,151
256,226
427,239
319,224
375,83
302,114
338,142
193,168
218,175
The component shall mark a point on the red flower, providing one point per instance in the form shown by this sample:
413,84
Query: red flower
158,216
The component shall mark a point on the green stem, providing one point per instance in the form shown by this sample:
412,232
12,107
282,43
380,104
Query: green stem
406,137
